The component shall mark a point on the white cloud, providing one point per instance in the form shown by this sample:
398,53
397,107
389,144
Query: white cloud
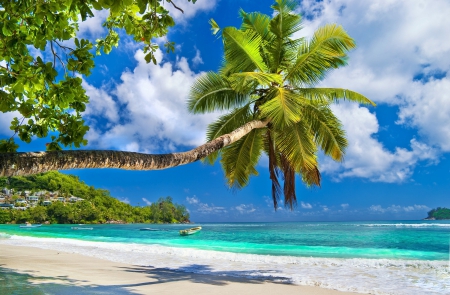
193,200
124,200
146,201
5,122
345,206
153,101
92,27
398,209
207,209
190,10
245,209
366,157
197,58
305,205
393,53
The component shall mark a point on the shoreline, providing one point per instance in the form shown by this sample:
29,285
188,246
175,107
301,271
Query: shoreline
54,272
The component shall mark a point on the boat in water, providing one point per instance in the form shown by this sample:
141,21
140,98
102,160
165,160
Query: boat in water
190,231
81,228
149,229
29,225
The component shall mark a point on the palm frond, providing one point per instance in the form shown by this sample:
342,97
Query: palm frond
290,197
334,95
256,22
297,144
212,92
327,129
273,168
224,125
242,50
327,50
240,158
311,177
282,107
248,81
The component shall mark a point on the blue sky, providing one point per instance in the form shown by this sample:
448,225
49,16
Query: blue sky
397,163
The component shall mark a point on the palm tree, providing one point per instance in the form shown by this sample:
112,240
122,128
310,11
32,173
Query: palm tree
267,76
266,84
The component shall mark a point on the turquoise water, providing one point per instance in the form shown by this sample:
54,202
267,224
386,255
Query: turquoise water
418,240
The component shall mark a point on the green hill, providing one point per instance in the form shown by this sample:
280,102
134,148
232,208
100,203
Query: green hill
439,214
77,203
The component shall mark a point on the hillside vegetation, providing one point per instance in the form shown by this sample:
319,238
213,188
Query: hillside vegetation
96,206
439,214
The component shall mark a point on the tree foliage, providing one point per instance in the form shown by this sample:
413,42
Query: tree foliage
42,60
97,205
270,76
439,213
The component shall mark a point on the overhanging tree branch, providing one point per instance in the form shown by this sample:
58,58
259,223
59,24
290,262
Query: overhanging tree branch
13,164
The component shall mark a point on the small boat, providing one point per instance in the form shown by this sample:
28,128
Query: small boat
149,229
190,231
29,225
81,228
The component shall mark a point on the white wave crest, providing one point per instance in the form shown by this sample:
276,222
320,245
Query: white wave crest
374,276
407,224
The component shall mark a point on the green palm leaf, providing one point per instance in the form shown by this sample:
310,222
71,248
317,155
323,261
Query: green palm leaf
334,95
327,50
225,124
242,50
213,92
239,159
256,22
282,107
296,143
327,130
247,81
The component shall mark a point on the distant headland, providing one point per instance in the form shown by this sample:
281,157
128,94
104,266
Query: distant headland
438,214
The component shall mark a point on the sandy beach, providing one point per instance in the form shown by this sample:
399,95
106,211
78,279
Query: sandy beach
40,271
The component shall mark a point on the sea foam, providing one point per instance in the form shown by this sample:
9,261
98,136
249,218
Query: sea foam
374,276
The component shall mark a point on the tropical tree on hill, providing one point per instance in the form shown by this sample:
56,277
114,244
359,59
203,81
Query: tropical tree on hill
267,85
268,78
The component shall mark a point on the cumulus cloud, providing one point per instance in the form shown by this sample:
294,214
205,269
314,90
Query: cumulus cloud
5,122
245,209
193,200
345,206
146,201
152,99
124,200
398,62
305,205
197,58
206,208
189,9
366,157
398,208
92,27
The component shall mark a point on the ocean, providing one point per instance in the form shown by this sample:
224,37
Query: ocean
387,257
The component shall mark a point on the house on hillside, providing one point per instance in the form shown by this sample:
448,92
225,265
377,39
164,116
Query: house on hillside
47,203
6,206
74,199
21,202
32,200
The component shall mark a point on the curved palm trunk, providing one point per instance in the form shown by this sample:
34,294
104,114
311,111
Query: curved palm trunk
12,164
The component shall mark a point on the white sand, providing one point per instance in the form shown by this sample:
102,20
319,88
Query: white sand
66,273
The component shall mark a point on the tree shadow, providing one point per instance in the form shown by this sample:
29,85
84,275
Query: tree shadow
27,282
15,283
203,274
